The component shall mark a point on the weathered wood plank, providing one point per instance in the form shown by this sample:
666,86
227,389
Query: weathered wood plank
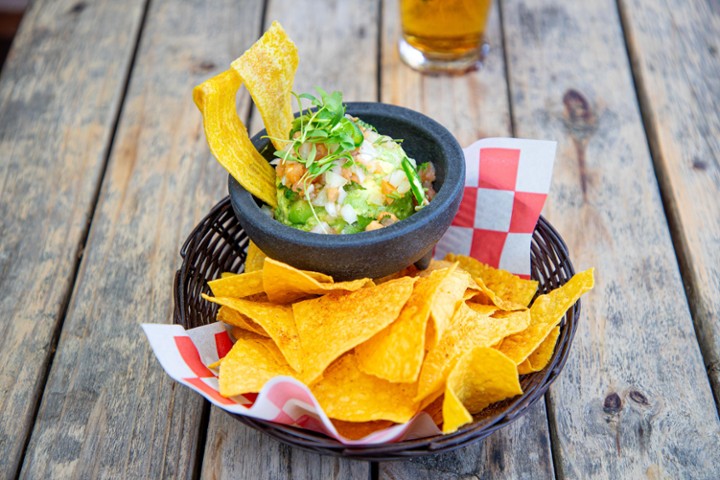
676,55
109,411
236,451
634,400
337,44
521,450
60,92
471,107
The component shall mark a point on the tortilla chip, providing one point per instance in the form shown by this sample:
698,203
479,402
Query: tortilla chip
524,367
252,361
276,320
267,69
409,271
360,430
503,324
445,303
285,284
482,309
335,323
238,320
480,378
539,359
228,138
436,265
546,312
469,329
396,353
254,259
237,286
454,414
227,274
346,393
507,286
488,296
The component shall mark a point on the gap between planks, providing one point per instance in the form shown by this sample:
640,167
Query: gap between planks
674,224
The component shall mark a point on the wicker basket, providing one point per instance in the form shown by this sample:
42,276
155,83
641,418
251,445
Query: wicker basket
218,244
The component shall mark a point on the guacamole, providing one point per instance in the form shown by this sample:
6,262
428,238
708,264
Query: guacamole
339,175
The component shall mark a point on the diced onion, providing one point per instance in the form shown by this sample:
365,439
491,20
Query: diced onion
321,198
367,150
332,179
396,178
321,227
403,187
376,197
363,158
331,209
348,214
341,195
360,175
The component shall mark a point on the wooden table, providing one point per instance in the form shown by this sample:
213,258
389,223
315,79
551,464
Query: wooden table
104,170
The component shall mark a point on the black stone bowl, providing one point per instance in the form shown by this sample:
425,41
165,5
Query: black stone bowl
380,252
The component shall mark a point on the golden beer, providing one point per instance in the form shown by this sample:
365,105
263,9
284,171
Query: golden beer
443,34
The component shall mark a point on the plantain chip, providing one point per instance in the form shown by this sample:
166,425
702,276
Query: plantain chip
228,138
267,70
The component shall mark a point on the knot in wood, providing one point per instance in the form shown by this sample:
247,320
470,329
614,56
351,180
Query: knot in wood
698,164
612,404
78,8
579,117
206,66
639,397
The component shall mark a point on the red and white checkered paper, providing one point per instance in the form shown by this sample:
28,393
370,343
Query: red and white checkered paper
506,186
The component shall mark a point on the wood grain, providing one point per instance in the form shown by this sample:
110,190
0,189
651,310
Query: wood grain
675,50
234,450
109,411
337,43
472,106
60,93
634,400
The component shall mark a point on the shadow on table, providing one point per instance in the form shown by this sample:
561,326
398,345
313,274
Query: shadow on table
11,12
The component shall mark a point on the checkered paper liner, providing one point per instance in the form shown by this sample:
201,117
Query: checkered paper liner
506,185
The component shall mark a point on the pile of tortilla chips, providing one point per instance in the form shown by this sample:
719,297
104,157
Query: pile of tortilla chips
450,340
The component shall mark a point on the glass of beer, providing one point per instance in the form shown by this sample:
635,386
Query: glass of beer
443,35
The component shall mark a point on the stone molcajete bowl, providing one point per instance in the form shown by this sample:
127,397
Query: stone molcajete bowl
379,252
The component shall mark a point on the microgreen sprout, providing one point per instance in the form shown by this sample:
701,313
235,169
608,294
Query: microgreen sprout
325,125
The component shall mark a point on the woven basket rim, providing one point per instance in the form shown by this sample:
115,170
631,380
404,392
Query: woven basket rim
545,239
